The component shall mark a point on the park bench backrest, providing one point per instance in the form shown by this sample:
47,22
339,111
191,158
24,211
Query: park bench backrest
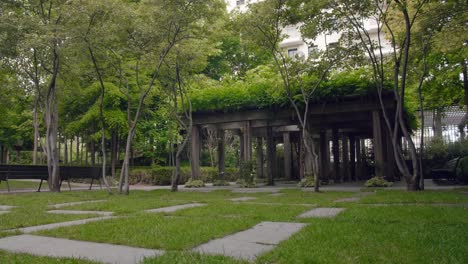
452,164
27,172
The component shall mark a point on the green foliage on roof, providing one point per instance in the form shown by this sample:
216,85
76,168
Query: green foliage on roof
262,88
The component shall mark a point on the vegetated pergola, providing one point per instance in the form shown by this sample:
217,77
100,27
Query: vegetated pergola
344,122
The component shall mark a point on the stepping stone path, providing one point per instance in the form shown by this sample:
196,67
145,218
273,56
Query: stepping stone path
77,212
350,199
62,224
171,209
75,203
276,194
241,199
255,190
56,247
322,213
5,209
251,243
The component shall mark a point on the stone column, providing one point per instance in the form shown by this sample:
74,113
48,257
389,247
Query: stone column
358,159
271,156
352,157
247,135
195,152
378,144
259,157
324,158
345,154
221,156
336,155
287,155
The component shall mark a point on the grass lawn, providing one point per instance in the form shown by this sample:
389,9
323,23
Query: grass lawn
408,229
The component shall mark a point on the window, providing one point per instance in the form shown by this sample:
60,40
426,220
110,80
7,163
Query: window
313,50
240,2
292,53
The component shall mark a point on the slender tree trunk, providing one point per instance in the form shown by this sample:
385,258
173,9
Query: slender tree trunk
71,150
36,128
113,152
51,121
65,151
78,148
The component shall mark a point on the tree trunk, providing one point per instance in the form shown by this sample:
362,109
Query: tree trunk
78,148
113,152
36,128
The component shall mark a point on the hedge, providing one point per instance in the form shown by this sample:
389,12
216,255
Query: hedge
157,175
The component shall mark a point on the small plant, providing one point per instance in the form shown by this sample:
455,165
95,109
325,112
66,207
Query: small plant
308,181
220,183
247,175
378,182
194,184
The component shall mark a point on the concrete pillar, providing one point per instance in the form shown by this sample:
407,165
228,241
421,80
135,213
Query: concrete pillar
336,155
259,157
324,157
247,135
358,159
352,157
378,144
195,152
271,156
301,149
345,157
287,156
242,146
390,163
221,155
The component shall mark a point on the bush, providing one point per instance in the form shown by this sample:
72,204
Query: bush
308,181
194,184
158,175
378,182
247,175
220,183
462,169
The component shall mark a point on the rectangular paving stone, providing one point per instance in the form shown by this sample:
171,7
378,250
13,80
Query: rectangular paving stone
75,203
241,199
251,243
6,207
322,213
171,209
4,212
78,212
349,199
62,224
57,247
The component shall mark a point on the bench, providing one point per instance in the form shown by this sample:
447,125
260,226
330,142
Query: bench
31,172
448,171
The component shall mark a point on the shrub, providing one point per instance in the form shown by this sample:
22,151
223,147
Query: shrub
462,169
378,182
246,174
194,184
308,181
220,183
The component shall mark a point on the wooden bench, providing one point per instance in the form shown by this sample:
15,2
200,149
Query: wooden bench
31,172
448,171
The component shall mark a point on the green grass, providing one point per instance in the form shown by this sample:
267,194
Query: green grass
155,230
380,235
30,259
389,197
190,258
407,230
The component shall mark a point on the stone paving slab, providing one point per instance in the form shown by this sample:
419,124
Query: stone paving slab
75,203
322,213
257,190
171,209
6,207
62,224
251,243
347,200
276,194
4,212
57,247
241,199
78,212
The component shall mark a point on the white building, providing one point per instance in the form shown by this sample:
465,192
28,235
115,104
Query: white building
296,45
